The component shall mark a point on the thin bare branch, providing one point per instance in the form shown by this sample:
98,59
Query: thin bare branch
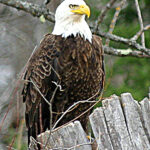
129,42
10,147
140,21
70,109
138,34
124,52
33,9
114,20
36,10
100,19
51,113
39,91
100,99
48,102
72,106
34,143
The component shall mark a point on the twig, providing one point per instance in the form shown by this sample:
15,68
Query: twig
8,109
34,9
129,42
38,11
10,104
124,52
108,6
68,110
58,85
138,34
35,142
51,100
48,102
41,126
100,99
38,91
11,148
51,112
140,21
79,102
114,20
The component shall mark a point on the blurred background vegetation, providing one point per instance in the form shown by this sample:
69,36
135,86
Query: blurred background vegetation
123,74
126,74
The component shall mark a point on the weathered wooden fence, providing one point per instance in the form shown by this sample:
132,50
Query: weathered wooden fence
120,124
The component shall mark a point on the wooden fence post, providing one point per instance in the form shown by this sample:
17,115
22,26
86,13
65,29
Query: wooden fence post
69,137
120,124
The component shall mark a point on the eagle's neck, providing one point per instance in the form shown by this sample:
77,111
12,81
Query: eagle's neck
70,27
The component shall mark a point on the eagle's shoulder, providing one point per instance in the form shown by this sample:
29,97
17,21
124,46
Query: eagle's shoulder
97,40
39,68
38,71
45,52
97,43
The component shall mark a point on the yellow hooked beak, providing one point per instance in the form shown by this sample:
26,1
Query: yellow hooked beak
82,9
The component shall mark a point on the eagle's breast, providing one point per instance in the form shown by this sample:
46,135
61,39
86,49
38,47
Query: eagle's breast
79,68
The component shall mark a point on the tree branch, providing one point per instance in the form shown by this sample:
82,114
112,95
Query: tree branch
114,20
37,10
103,14
89,100
140,21
138,34
33,9
129,42
124,52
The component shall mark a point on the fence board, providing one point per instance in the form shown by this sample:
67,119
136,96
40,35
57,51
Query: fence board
134,123
69,137
99,127
145,108
116,124
120,124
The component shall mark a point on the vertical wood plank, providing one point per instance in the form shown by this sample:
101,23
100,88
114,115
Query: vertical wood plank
134,123
120,124
71,136
145,108
99,127
116,124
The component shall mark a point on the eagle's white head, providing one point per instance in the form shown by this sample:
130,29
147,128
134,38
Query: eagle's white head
70,19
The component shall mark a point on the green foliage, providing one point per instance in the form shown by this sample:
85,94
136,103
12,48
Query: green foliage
147,37
147,3
12,139
127,74
134,73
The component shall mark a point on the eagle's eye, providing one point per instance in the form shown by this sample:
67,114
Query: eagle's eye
73,6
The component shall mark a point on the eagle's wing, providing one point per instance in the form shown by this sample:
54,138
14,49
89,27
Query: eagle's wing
100,54
38,84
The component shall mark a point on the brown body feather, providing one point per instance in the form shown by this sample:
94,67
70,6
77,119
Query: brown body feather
80,72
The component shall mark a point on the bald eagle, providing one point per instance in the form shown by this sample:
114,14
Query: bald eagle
67,67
